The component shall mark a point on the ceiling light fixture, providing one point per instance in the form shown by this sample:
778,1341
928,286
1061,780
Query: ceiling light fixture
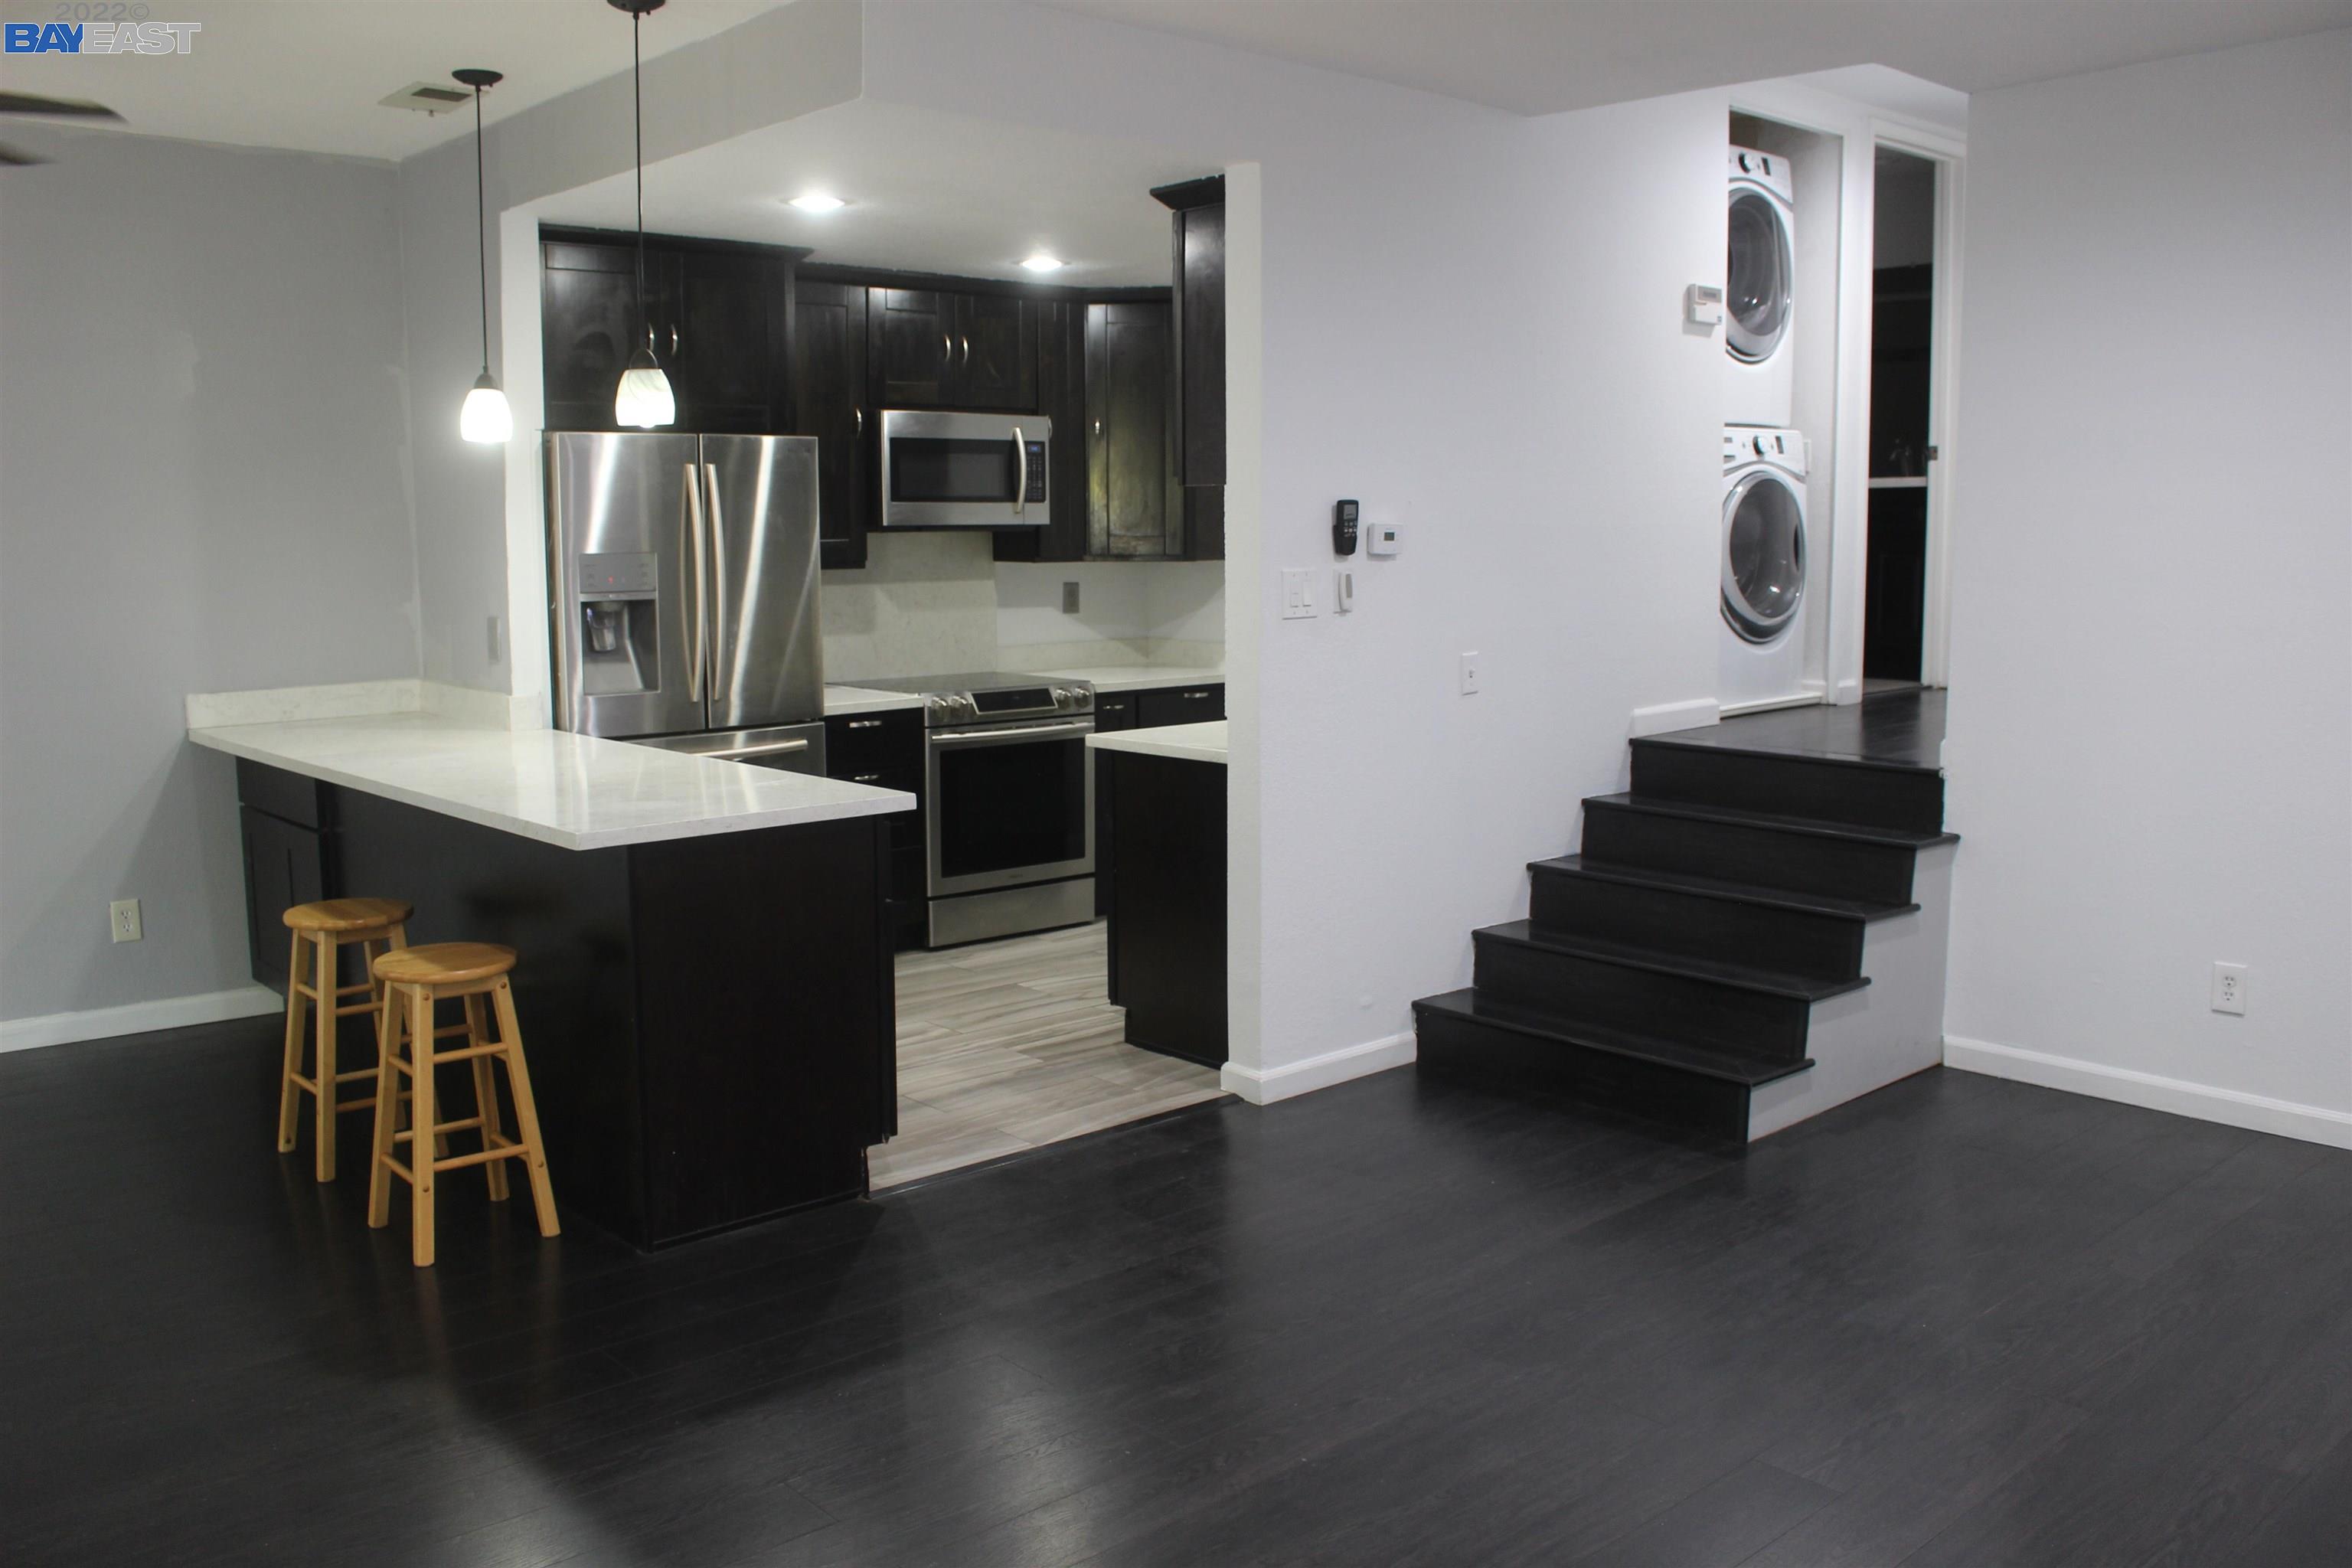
1044,262
485,419
819,202
643,401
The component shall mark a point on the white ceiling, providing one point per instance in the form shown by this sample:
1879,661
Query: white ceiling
308,74
1538,57
927,192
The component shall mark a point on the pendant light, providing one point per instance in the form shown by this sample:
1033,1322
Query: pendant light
485,419
643,400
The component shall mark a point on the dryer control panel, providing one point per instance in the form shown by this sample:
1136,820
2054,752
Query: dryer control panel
1746,444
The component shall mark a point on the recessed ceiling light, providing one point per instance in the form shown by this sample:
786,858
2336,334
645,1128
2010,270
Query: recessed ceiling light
819,202
1044,262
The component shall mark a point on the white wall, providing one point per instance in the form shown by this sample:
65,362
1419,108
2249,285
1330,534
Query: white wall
202,434
2150,748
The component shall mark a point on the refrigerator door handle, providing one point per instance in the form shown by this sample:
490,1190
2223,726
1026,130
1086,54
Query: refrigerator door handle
690,554
717,633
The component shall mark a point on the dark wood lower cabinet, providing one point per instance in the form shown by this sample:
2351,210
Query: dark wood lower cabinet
710,1021
1168,908
886,750
1127,710
285,864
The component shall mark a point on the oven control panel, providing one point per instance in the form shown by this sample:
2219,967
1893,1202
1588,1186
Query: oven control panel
1004,704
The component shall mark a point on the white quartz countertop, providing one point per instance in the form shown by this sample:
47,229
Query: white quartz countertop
1138,677
840,700
1185,743
576,792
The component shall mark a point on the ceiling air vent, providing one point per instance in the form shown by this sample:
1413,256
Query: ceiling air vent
428,97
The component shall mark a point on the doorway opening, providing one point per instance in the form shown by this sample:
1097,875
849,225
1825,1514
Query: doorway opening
1903,334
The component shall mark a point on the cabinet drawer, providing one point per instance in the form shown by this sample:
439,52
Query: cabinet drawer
1178,705
888,743
290,797
1114,710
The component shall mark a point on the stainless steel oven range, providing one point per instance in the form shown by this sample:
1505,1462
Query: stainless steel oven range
1008,802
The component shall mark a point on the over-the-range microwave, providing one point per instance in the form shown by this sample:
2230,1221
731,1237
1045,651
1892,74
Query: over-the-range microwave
965,471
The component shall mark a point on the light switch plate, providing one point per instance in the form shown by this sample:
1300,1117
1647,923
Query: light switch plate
1471,666
1297,594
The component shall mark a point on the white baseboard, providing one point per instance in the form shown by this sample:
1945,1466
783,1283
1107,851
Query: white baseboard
2255,1112
137,1017
1265,1087
1668,716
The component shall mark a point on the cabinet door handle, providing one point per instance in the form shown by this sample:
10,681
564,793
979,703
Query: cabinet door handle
947,346
863,724
861,419
672,339
866,778
967,351
1196,696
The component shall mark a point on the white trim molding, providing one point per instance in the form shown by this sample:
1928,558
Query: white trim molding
1263,1087
2230,1106
138,1017
1693,714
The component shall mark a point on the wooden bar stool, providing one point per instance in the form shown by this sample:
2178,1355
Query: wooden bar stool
415,979
320,929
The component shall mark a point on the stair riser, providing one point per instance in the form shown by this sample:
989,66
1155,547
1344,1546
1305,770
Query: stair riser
1615,996
1669,920
1739,852
1911,799
1467,1051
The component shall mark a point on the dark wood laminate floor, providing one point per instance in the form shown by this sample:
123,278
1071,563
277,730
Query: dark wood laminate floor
1903,727
1958,1323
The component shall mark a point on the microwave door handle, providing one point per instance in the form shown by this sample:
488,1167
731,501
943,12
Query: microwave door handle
716,636
1020,469
689,563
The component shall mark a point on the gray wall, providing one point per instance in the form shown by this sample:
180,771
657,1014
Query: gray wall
202,487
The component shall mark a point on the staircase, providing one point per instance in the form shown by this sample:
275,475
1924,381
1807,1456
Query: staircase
1707,961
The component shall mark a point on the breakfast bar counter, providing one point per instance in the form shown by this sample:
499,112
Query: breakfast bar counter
705,968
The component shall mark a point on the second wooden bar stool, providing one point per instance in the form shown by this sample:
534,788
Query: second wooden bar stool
415,978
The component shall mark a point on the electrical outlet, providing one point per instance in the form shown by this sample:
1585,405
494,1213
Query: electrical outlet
1471,666
1069,598
123,916
2229,988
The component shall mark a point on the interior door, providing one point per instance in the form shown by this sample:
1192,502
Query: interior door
767,658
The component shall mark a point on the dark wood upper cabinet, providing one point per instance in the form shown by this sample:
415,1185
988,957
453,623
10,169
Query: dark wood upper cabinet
726,354
1131,508
1062,398
718,313
589,323
996,352
913,336
828,392
1198,223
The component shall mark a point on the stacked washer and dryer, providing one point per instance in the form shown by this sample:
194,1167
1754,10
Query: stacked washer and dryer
1765,554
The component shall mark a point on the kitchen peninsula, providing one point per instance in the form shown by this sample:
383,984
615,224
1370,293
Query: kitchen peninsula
705,969
1167,939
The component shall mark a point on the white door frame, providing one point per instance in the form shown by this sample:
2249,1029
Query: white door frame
1950,154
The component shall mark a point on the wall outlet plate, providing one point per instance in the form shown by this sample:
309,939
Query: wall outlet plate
1069,598
122,915
2229,988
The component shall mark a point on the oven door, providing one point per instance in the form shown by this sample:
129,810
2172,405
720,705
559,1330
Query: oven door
965,471
1009,805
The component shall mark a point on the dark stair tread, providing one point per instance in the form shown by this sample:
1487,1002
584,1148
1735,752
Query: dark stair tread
1729,1067
1819,827
1683,741
1717,888
1772,982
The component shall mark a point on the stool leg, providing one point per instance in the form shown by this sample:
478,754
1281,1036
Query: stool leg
387,1109
542,1193
326,974
290,1093
422,1150
486,1093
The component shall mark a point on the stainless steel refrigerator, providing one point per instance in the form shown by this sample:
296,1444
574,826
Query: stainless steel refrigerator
682,576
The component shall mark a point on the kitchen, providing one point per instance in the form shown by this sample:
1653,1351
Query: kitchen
990,534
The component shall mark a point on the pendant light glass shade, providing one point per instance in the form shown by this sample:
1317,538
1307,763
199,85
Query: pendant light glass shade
643,401
486,417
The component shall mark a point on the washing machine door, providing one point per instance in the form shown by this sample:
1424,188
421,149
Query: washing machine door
1759,275
1763,556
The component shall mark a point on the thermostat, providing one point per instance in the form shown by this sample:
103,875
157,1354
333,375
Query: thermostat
1384,537
1703,305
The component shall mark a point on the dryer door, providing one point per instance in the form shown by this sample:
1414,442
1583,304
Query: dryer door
1763,556
1759,275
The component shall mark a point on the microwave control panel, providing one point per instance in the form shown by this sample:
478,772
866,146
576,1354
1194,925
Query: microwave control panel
1036,457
